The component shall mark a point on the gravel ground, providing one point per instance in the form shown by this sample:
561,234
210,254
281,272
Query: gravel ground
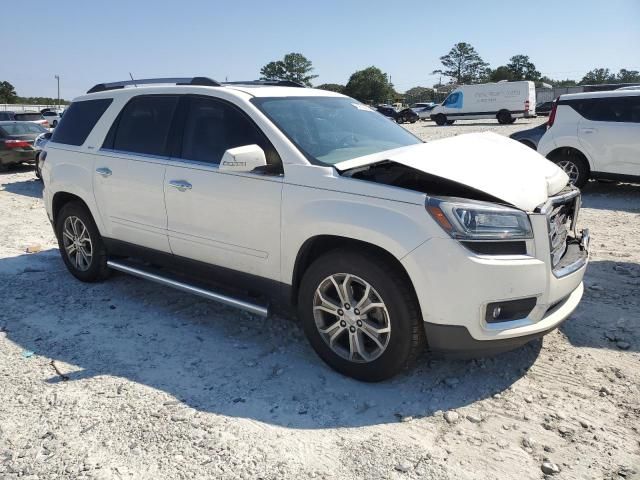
130,380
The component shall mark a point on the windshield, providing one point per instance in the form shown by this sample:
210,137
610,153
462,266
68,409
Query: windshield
331,130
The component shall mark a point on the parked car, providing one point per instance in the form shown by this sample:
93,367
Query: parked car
544,108
39,143
423,110
631,87
7,116
53,117
33,117
504,101
402,116
16,142
273,198
531,136
595,135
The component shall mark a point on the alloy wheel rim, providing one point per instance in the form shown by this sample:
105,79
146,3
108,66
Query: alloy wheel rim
77,243
351,318
570,168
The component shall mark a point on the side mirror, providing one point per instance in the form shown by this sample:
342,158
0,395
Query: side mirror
243,159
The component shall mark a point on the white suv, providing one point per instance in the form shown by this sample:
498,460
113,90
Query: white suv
595,135
273,197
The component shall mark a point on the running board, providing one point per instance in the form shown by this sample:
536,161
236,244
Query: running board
185,287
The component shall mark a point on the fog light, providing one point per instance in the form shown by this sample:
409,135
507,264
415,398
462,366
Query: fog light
510,310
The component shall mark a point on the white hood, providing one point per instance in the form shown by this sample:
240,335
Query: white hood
492,163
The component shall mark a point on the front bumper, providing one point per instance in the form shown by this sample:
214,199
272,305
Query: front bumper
455,286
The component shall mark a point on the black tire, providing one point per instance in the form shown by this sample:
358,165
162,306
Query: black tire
36,168
399,119
450,122
504,117
513,120
414,120
97,269
571,161
440,119
407,336
54,124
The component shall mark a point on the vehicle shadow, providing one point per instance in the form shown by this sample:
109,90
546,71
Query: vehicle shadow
217,359
612,196
27,188
607,316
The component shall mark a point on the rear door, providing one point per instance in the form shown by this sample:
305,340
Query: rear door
130,170
231,220
609,131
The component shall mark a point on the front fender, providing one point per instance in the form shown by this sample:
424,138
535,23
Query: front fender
394,226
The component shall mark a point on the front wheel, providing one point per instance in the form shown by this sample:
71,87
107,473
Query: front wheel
80,243
360,315
440,119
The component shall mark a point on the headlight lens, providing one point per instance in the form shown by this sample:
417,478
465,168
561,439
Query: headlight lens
474,220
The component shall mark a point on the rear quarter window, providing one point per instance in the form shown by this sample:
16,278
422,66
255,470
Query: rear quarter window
612,109
78,121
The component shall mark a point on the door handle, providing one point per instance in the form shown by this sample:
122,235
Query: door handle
588,130
104,171
181,185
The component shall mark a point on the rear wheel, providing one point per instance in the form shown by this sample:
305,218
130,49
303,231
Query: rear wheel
504,117
360,315
54,124
573,165
37,167
399,119
80,243
440,119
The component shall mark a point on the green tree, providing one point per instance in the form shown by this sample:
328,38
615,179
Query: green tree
418,94
294,67
501,73
370,85
7,93
628,76
332,87
598,76
463,64
522,68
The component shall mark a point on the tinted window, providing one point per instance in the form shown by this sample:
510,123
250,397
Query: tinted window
6,116
143,125
79,120
23,128
612,109
213,126
28,117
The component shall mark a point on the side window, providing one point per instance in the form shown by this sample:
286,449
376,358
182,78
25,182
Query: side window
634,106
613,109
79,120
454,100
213,126
143,125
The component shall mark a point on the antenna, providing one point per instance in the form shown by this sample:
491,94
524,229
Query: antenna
134,82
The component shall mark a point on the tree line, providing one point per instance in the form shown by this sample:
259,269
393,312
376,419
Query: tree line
8,95
461,65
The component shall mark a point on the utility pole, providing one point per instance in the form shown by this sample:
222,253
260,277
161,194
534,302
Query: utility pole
57,77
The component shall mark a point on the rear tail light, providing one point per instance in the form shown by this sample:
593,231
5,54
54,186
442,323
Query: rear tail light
45,124
17,144
526,105
552,114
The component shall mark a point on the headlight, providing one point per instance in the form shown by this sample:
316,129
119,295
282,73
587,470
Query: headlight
474,220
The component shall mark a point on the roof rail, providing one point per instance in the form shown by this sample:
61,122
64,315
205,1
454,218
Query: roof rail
203,81
277,83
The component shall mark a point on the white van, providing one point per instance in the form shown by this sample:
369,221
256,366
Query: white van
504,101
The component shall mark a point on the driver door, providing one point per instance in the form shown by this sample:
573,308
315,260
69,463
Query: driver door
227,219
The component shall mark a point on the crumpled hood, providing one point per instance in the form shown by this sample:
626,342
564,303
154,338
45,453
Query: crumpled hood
492,163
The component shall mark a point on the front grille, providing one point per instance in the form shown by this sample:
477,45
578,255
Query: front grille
561,217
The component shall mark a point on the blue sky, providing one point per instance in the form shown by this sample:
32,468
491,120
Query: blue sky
88,42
